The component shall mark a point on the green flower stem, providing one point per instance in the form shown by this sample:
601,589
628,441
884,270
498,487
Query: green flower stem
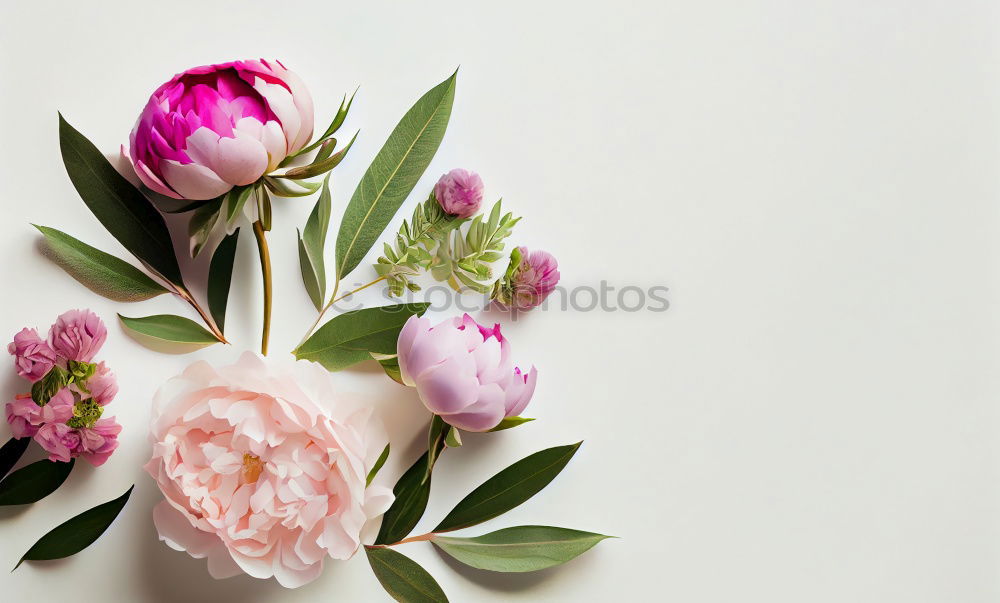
265,268
334,299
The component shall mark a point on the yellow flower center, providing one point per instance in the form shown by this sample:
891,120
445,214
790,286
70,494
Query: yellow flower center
252,468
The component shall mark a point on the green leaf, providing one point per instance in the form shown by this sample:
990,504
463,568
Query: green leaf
312,242
393,174
435,441
49,385
11,453
322,165
119,206
519,549
350,337
77,533
403,578
509,488
220,277
201,224
378,465
509,422
453,438
100,272
391,368
411,492
236,198
168,333
34,482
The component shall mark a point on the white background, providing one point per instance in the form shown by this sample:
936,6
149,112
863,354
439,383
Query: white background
814,419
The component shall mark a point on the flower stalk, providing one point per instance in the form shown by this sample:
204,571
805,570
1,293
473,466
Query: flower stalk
265,269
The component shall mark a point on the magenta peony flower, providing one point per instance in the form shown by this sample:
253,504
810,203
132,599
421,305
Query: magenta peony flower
460,192
26,417
33,358
530,281
58,439
463,372
258,476
217,126
77,335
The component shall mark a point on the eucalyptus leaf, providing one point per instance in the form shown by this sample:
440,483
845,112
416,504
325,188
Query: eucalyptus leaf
403,578
378,465
168,333
509,488
34,482
351,337
11,452
124,211
312,243
508,422
100,272
393,174
519,549
411,493
77,533
220,277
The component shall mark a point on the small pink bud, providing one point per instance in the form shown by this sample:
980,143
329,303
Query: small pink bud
460,192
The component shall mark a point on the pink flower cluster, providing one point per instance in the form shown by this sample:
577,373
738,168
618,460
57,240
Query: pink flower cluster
63,411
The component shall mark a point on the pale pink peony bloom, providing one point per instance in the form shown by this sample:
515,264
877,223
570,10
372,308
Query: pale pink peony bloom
98,442
463,372
102,386
533,280
33,358
263,465
77,335
218,126
460,192
26,417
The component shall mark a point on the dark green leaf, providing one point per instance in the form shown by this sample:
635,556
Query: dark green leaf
76,534
34,482
509,488
411,492
168,333
352,336
121,208
519,549
11,453
49,385
220,277
509,422
202,222
393,174
435,443
378,465
312,242
100,272
403,578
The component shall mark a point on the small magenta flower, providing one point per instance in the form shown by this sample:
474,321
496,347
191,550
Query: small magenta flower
463,372
460,192
530,278
98,442
59,440
33,358
26,416
77,335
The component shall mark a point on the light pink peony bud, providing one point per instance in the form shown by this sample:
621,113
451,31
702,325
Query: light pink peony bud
33,358
77,335
463,372
460,192
218,126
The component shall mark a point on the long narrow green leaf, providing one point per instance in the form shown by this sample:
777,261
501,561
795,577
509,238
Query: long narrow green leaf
312,243
403,578
100,272
220,277
412,492
509,488
519,549
77,533
168,333
393,174
352,336
34,482
119,206
378,465
11,453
